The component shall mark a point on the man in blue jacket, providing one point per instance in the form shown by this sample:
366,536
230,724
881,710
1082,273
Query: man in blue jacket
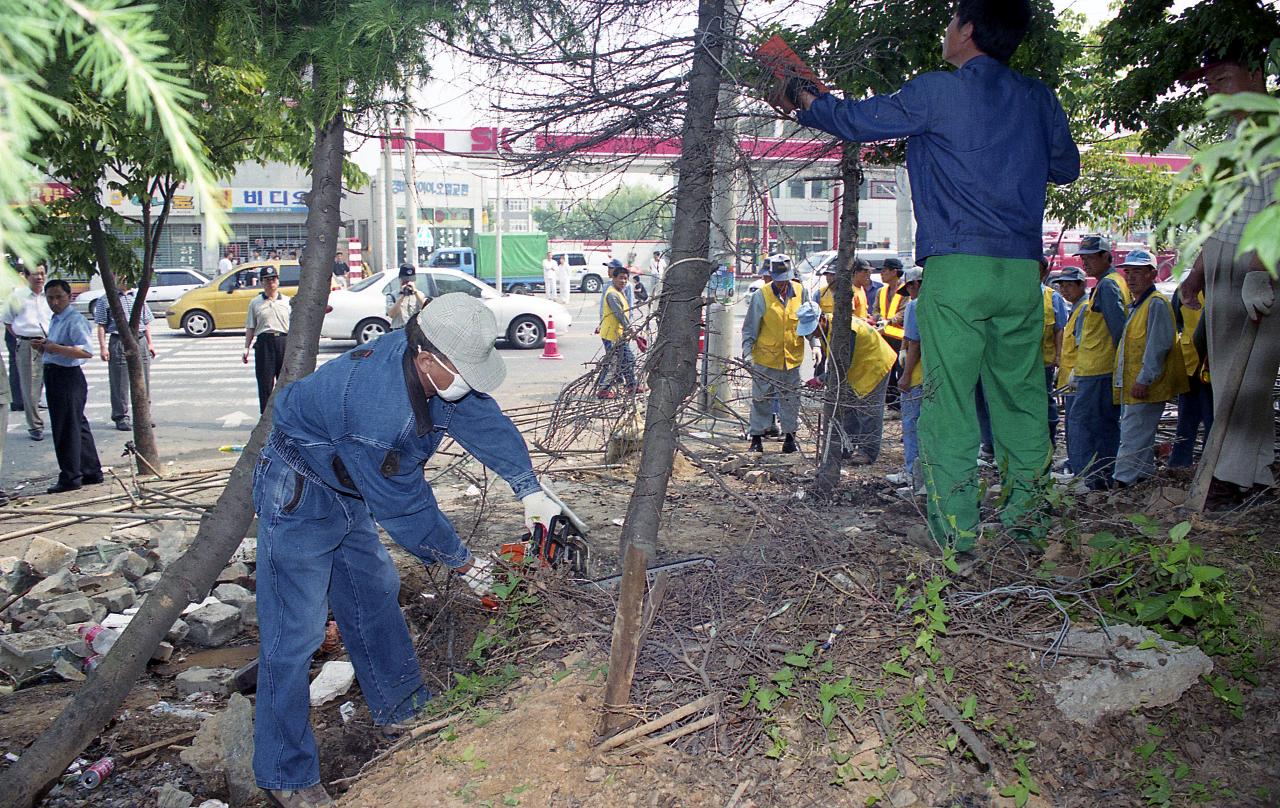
982,143
348,446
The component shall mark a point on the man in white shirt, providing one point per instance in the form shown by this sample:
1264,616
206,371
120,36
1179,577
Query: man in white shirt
225,265
549,278
27,315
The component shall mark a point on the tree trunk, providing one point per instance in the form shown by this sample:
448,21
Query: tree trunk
672,364
837,391
222,528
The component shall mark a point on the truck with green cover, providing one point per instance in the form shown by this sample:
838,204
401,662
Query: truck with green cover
522,256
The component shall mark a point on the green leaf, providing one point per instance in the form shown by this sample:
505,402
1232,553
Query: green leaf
796,660
969,707
1179,531
896,669
948,673
1203,575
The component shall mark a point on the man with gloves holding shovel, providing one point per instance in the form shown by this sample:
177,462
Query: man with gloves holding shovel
348,446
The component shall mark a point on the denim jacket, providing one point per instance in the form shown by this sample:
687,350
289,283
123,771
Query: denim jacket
363,426
982,143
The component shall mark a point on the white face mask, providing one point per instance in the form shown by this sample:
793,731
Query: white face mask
456,389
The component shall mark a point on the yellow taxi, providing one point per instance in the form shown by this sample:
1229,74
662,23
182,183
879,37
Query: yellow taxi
223,303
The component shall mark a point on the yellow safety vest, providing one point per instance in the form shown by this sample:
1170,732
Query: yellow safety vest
1048,345
1096,354
1068,361
610,328
860,309
888,310
1186,339
778,346
872,358
827,300
1171,381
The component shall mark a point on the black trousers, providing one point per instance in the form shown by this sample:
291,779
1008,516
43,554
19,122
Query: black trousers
268,362
893,396
15,384
73,444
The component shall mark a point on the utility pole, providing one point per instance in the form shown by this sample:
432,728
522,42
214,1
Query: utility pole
410,186
497,223
388,200
724,242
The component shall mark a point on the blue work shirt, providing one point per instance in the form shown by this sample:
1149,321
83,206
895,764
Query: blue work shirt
982,143
70,328
363,426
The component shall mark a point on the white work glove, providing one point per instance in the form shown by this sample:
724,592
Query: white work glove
902,357
1071,380
538,507
480,577
1258,294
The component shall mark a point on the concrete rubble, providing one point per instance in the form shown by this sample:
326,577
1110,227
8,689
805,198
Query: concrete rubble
222,752
334,679
1086,690
52,590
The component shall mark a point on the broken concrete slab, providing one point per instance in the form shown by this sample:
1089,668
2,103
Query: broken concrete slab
222,752
237,573
247,552
204,680
249,613
20,654
17,577
47,556
117,600
58,585
1085,690
97,583
334,679
75,609
178,632
235,594
130,564
170,796
215,624
148,582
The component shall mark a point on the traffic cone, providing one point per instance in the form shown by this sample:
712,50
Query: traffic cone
549,348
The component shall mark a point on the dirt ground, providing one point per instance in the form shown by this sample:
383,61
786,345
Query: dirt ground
520,710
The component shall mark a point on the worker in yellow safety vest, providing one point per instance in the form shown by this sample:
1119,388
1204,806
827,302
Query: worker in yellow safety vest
1070,284
776,351
1093,428
1055,322
615,315
889,308
1150,370
1195,407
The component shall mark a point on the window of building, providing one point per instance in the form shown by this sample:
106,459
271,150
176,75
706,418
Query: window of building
517,226
819,189
516,205
795,188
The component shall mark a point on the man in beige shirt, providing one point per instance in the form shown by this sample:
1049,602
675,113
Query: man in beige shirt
268,319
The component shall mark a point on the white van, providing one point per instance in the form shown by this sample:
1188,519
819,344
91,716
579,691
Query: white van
587,270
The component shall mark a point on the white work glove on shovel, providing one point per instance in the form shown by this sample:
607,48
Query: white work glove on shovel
538,507
1258,294
480,576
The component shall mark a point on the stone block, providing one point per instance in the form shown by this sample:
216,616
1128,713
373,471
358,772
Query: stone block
235,594
170,796
249,613
148,582
16,577
47,556
178,632
222,753
213,625
117,600
8,564
34,621
98,583
247,552
1086,690
58,585
129,564
163,652
334,679
20,654
204,680
237,573
75,609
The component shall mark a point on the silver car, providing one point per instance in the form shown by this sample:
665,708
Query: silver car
167,285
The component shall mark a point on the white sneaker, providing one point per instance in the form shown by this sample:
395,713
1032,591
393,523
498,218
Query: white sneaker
899,478
906,492
1062,476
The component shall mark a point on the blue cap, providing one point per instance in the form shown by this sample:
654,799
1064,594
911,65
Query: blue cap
1091,245
1069,274
1139,258
808,314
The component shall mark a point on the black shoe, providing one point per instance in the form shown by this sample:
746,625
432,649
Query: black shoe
94,479
125,425
789,443
4,499
773,431
61,488
35,434
756,444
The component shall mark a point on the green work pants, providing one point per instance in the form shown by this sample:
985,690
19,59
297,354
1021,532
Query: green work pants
981,318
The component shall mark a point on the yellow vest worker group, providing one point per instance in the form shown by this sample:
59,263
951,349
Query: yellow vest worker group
872,359
1187,342
1171,382
1048,345
777,346
610,328
889,310
1097,353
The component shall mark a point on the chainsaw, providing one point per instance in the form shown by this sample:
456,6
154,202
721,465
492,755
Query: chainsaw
556,544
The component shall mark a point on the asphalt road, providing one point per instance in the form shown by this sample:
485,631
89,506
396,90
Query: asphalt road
203,397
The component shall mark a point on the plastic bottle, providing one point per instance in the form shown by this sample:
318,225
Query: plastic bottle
98,639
